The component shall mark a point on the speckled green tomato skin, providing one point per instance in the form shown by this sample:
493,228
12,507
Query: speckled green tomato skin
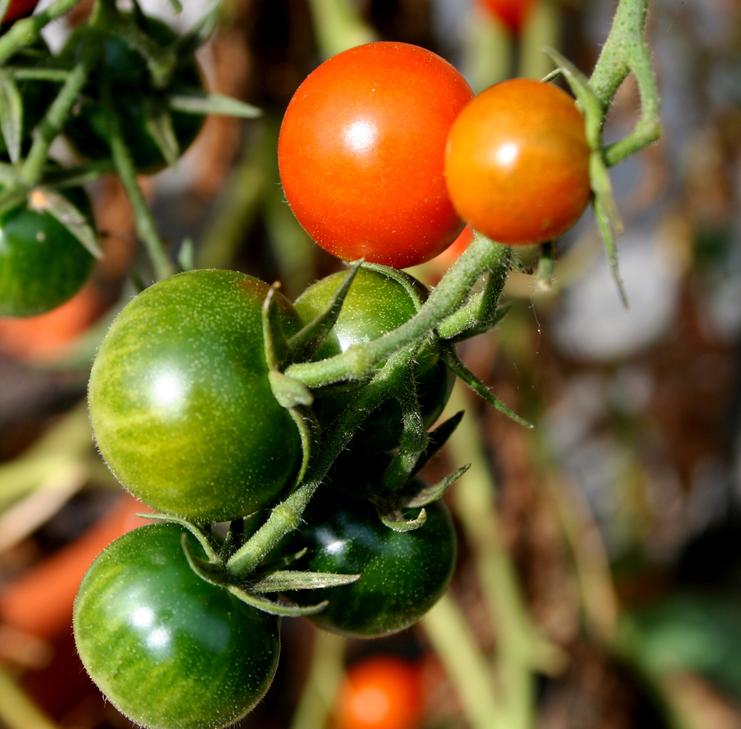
169,650
403,573
41,263
131,86
375,305
180,402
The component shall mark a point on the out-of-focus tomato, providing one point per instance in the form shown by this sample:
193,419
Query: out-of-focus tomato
513,14
382,692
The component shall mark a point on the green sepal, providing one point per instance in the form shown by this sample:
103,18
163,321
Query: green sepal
284,580
436,439
396,521
211,572
158,122
461,371
482,325
11,115
10,199
605,209
308,430
202,103
275,608
288,392
434,492
234,538
401,278
546,265
304,344
58,206
197,531
276,346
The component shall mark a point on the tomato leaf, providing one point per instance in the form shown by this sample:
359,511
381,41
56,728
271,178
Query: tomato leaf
58,206
284,580
396,521
199,102
158,122
11,115
435,492
461,371
275,608
304,344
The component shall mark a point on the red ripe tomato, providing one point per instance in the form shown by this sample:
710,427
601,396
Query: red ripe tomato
361,153
517,162
381,693
511,13
19,9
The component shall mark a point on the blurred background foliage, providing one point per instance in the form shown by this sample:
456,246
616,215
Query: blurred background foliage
621,509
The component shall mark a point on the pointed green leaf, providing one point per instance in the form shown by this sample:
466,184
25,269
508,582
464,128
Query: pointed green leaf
436,439
201,537
308,430
60,207
276,346
411,286
211,572
396,521
461,371
288,392
304,344
200,102
284,580
435,492
158,122
275,608
11,115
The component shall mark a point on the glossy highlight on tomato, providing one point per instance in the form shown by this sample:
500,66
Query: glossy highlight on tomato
169,650
375,304
42,264
381,692
361,153
517,162
403,574
134,98
180,402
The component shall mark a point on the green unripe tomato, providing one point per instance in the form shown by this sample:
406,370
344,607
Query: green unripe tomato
132,90
180,402
169,650
375,304
403,574
42,264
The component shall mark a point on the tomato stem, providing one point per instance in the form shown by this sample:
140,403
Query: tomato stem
359,361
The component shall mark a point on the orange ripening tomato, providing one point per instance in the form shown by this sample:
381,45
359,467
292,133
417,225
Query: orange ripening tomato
381,693
41,338
517,162
361,153
511,13
19,9
450,255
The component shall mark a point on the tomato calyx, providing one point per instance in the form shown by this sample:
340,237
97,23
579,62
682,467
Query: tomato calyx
252,589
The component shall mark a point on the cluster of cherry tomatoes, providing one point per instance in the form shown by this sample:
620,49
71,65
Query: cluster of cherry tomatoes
384,154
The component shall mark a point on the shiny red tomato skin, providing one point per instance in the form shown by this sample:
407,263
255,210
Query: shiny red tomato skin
511,13
19,9
361,153
382,692
517,162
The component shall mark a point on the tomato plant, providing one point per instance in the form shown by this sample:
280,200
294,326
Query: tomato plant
511,13
180,401
138,104
402,573
167,648
42,264
375,305
19,9
517,162
381,692
361,153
